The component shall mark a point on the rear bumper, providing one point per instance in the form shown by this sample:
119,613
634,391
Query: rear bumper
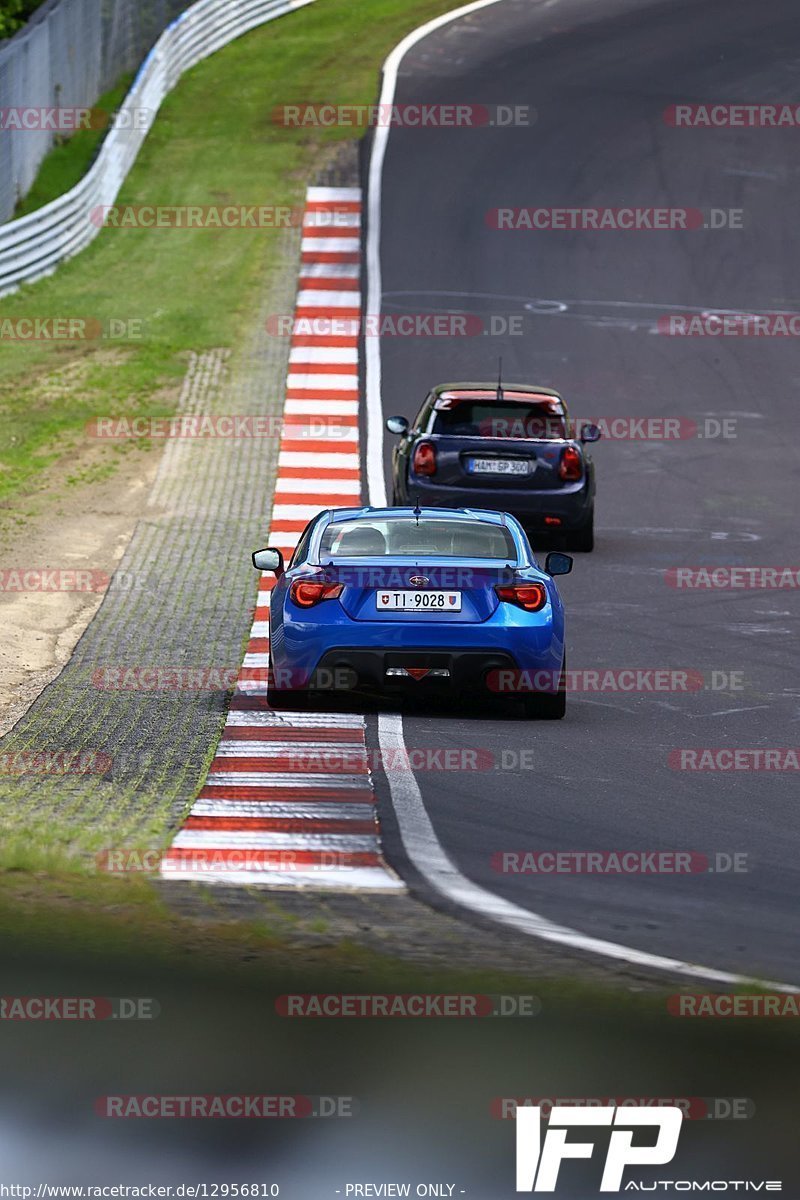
571,505
334,650
380,669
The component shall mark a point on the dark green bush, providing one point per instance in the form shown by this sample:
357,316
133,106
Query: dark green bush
14,14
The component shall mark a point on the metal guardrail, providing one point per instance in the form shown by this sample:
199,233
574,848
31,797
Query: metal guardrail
65,56
33,246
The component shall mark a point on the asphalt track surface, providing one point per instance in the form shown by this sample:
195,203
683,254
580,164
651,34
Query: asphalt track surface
600,76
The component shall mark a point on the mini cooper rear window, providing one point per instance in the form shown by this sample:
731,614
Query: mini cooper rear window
477,418
431,538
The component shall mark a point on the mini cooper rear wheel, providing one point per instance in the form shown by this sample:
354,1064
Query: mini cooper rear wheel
583,539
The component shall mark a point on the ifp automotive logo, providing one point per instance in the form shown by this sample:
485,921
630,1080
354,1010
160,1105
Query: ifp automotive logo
538,1160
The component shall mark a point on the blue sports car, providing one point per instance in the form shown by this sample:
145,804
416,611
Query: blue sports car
392,599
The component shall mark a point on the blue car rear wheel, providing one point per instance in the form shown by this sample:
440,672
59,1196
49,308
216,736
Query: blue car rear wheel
277,698
550,706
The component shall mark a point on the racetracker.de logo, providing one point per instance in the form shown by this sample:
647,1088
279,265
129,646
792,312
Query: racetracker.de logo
195,216
55,762
694,1108
727,1005
402,325
48,579
732,116
613,220
730,324
203,861
78,1008
616,680
618,862
223,426
204,679
614,429
403,116
735,758
407,1005
337,1004
170,679
225,1107
27,118
348,760
732,578
71,329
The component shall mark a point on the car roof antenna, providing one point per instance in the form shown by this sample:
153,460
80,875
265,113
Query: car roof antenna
499,380
417,510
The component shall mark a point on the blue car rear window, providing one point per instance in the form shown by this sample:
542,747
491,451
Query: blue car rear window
430,538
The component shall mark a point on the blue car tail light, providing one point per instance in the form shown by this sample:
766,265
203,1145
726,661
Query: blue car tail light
530,596
307,592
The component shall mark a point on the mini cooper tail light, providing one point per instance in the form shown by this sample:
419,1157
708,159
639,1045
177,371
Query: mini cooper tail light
571,465
530,596
308,592
425,459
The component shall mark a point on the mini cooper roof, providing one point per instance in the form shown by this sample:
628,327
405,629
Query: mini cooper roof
516,393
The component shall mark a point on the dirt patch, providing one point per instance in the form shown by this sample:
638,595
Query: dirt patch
79,519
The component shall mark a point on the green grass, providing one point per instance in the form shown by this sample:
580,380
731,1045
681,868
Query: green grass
71,157
14,14
214,141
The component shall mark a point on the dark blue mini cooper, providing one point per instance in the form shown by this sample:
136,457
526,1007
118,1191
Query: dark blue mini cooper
506,448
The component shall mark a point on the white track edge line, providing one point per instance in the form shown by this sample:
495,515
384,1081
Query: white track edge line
429,857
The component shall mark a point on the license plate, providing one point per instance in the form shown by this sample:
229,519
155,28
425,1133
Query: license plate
499,466
407,601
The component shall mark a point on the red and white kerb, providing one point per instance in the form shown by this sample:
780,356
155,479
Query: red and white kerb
257,821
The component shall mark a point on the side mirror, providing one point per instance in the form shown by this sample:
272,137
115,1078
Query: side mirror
397,425
268,560
558,564
590,433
